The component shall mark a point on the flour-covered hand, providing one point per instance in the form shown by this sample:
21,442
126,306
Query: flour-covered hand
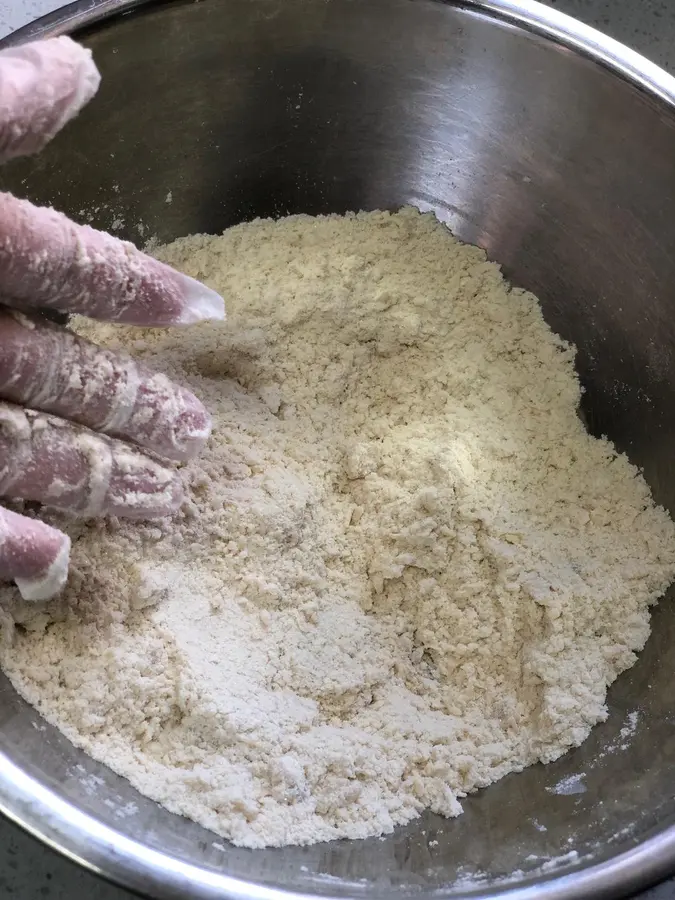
75,419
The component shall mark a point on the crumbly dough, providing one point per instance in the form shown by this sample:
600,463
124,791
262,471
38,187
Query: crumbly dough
405,568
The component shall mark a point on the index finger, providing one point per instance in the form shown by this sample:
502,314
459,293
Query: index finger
49,262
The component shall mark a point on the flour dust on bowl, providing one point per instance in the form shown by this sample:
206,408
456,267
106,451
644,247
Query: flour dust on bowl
216,113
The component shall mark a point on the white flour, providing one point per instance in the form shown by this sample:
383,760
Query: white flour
405,568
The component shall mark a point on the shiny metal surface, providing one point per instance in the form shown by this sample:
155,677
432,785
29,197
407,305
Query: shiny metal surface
529,134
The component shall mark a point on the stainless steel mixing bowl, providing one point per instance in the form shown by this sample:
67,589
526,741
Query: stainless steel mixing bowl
529,134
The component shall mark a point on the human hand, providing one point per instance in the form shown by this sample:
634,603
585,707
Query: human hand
78,417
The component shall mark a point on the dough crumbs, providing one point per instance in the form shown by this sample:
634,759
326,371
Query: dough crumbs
404,569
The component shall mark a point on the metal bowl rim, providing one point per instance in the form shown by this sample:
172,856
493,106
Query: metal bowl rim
106,852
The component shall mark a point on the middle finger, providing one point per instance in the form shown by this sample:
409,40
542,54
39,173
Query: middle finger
53,370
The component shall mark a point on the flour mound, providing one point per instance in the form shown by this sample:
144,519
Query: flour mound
405,569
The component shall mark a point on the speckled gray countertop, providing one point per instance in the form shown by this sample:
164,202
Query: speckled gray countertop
29,871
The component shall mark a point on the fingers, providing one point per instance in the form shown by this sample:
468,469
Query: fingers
47,261
32,554
49,369
56,463
43,85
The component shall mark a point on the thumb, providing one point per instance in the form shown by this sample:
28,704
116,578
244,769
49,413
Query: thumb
43,85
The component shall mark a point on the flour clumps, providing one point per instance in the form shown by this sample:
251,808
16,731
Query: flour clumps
404,569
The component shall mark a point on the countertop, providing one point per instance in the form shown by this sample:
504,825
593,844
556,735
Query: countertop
29,871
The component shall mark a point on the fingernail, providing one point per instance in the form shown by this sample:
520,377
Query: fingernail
200,302
190,431
86,87
75,61
46,585
159,494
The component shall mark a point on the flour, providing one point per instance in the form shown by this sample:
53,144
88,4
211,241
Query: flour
404,568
